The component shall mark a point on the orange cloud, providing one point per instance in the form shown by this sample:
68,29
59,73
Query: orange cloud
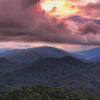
61,8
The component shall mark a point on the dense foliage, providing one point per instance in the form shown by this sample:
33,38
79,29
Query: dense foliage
47,93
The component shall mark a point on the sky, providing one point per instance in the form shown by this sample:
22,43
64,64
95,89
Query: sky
66,24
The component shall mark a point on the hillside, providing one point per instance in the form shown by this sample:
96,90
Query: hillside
66,72
9,66
47,93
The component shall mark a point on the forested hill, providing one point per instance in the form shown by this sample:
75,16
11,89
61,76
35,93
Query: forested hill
47,93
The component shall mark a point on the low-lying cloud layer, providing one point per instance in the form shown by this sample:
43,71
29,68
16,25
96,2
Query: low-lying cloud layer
24,20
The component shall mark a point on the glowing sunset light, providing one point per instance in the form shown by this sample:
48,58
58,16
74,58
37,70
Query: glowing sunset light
49,5
61,8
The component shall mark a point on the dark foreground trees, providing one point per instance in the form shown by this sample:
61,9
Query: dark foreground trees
47,93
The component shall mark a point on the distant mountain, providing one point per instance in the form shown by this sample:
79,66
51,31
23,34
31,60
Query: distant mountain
95,59
33,54
92,55
5,50
80,19
66,72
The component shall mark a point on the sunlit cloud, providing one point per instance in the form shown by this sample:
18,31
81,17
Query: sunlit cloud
31,21
58,8
66,47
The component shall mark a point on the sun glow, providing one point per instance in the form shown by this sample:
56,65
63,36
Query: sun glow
59,8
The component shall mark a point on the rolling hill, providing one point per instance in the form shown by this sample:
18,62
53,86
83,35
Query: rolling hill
51,67
66,72
9,66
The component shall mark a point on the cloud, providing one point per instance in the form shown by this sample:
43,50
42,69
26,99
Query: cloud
90,10
28,3
89,28
24,20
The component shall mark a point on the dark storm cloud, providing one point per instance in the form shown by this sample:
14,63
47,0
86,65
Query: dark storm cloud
23,20
11,24
89,28
28,3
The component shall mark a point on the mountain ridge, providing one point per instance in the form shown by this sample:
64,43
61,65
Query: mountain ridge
33,54
92,55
